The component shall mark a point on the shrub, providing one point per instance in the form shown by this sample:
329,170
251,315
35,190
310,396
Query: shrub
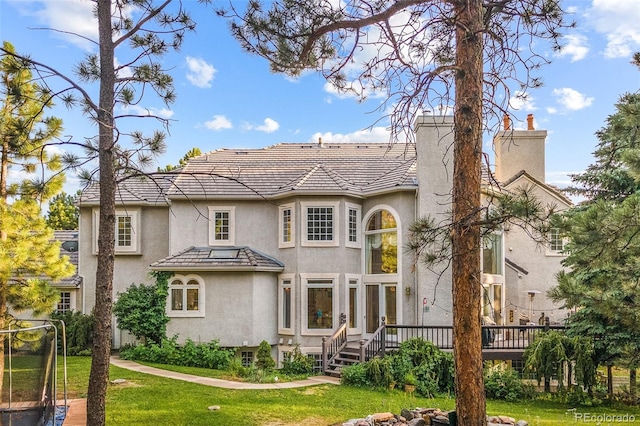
379,372
354,375
263,357
501,382
141,310
205,355
297,363
78,330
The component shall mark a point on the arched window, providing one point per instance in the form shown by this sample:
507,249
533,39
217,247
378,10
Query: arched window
381,249
186,296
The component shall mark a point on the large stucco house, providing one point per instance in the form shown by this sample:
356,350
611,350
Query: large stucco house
277,243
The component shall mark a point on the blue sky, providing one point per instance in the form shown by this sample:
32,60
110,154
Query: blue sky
229,99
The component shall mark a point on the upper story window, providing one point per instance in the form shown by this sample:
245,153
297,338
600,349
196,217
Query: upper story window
353,225
286,226
381,250
221,225
127,235
556,242
492,254
319,224
186,297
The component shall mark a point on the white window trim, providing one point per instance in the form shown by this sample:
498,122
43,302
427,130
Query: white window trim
281,280
201,298
232,225
550,252
281,209
305,278
358,278
304,206
358,242
135,231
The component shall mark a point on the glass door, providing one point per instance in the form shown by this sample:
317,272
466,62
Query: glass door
381,301
372,307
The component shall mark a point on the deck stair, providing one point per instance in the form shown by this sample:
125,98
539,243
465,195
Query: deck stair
348,355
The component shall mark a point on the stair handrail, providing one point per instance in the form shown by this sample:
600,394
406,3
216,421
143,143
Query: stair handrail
332,345
376,344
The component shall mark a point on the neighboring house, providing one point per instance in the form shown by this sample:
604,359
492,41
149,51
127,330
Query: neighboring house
70,288
278,243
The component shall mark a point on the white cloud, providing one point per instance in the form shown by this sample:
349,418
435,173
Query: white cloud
618,21
376,134
219,122
75,17
199,73
572,99
521,101
269,126
138,110
575,47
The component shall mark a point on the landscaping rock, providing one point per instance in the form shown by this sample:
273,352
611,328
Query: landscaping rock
424,417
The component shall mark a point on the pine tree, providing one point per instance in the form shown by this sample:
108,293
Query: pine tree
63,213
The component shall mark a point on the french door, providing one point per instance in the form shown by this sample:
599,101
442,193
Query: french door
381,301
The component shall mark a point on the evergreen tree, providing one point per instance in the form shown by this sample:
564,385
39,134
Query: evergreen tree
150,28
63,212
603,278
192,153
25,132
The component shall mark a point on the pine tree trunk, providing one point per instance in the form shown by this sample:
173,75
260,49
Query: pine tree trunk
469,385
633,384
99,376
610,382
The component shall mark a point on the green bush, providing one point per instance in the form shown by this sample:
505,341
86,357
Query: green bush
141,310
354,375
501,382
264,360
297,363
79,332
205,355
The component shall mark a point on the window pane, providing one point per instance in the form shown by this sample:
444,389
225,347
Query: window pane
124,231
492,254
286,307
192,299
176,299
319,308
381,219
381,253
353,307
221,223
65,302
320,224
286,225
353,225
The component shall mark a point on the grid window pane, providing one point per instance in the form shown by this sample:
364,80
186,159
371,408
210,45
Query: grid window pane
185,296
353,225
64,305
192,299
320,224
556,243
286,225
221,225
124,233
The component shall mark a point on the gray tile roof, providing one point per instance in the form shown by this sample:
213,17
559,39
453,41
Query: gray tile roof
147,190
69,240
288,168
218,259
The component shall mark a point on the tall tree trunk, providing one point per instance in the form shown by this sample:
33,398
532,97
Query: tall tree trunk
469,384
610,383
99,376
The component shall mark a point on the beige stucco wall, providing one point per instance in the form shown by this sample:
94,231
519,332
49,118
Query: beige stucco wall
541,265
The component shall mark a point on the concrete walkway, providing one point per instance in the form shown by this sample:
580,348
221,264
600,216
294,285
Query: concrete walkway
77,414
219,383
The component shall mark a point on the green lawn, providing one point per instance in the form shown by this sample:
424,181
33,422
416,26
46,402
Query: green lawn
148,400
